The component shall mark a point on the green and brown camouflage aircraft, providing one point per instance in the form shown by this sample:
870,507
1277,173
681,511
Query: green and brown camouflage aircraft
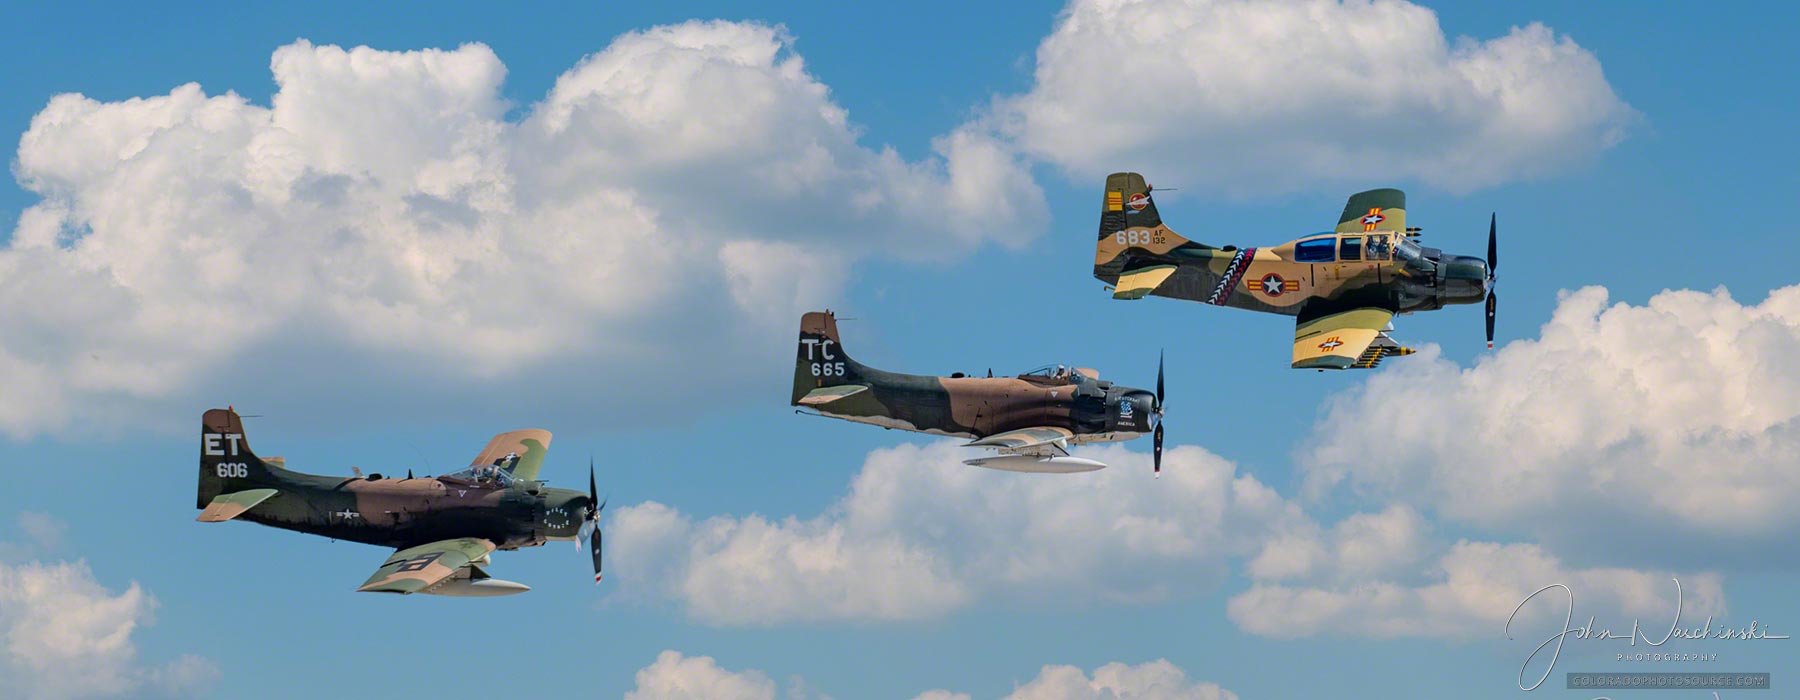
443,527
1343,287
1030,420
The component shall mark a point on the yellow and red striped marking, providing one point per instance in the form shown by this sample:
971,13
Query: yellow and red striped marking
1373,218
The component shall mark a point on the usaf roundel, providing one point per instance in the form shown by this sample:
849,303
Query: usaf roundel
1273,285
1138,201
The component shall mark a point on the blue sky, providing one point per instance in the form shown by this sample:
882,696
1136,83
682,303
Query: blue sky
677,393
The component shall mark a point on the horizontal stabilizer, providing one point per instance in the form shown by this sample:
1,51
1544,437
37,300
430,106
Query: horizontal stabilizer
230,505
1139,283
828,394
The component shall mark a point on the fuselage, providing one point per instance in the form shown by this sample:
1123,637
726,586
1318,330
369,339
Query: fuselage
1378,269
974,407
402,513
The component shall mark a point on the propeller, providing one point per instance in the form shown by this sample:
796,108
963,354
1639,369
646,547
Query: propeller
1156,438
590,526
1492,259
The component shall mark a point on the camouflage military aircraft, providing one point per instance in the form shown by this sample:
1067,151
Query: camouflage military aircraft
1029,420
1343,286
444,528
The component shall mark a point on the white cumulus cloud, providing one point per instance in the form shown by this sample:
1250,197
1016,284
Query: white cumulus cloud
382,222
1363,544
1636,432
66,636
1252,97
1470,591
675,676
1156,680
921,534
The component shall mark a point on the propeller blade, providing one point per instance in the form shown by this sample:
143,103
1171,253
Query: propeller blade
593,491
595,543
1156,440
1491,305
1493,258
1159,379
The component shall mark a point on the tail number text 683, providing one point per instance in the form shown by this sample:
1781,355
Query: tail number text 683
1137,237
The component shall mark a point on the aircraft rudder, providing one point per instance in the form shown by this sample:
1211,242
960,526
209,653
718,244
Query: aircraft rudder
226,462
1127,204
820,360
1129,222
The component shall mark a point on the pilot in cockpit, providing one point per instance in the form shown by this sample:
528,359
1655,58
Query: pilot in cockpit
485,475
1059,373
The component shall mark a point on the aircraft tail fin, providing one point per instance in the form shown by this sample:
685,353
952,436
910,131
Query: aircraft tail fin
1131,227
226,463
820,360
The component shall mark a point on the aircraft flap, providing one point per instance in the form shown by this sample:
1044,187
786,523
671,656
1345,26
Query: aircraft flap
226,506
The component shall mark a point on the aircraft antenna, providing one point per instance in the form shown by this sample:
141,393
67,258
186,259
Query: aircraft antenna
423,463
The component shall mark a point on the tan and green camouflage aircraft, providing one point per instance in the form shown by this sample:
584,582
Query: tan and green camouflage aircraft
443,528
1343,287
1030,420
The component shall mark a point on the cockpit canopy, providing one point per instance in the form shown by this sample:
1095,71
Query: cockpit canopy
490,475
1376,246
1056,373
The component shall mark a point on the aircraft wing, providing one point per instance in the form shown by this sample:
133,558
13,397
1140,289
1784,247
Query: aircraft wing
1352,339
226,506
828,394
1374,210
420,568
1038,442
529,445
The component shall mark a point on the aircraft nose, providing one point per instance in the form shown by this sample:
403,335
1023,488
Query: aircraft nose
565,511
1145,405
1464,279
1464,267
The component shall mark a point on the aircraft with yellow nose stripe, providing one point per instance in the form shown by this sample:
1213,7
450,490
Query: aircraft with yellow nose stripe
1343,286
